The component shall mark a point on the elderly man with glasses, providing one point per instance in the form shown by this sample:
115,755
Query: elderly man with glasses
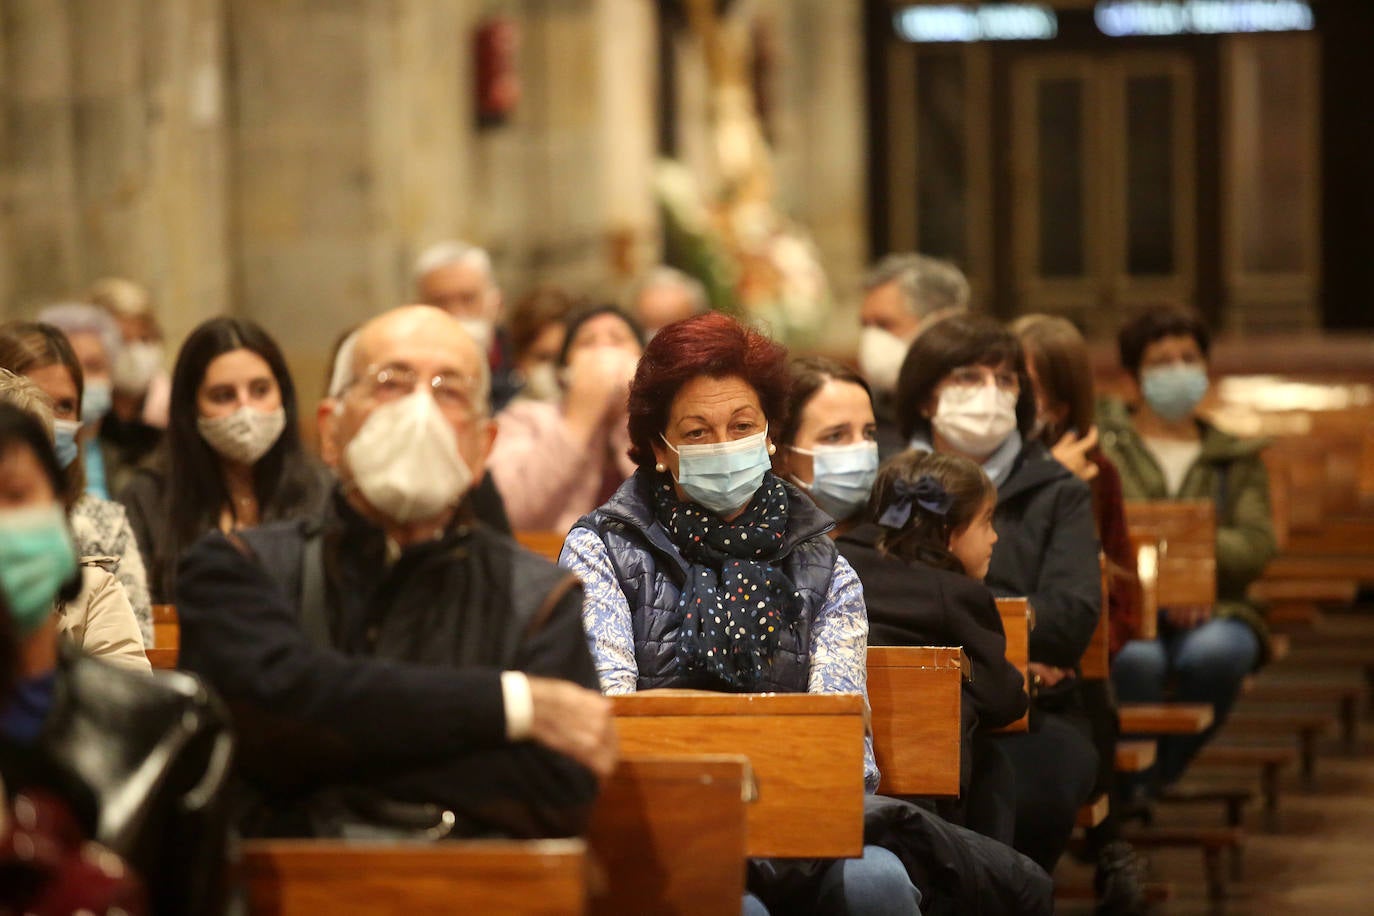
395,668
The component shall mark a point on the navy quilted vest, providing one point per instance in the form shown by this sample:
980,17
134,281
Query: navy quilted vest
651,572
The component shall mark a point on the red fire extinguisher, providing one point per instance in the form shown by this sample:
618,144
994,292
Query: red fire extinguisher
495,47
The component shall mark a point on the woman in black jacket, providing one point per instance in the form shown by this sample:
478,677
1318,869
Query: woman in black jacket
964,391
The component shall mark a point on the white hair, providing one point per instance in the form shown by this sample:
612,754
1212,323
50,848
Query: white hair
928,285
343,374
442,254
673,278
83,318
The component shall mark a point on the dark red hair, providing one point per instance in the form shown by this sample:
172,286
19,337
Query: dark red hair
712,345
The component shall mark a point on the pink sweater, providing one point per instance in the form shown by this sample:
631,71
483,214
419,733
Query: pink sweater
547,481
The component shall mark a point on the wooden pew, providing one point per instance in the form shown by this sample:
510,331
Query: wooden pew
166,637
1186,532
548,544
316,877
1018,619
806,751
668,835
914,693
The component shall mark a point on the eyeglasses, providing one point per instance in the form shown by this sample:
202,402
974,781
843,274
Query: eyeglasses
978,376
453,392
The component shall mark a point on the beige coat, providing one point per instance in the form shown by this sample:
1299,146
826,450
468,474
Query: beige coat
100,621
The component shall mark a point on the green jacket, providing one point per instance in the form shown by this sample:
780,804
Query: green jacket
1230,471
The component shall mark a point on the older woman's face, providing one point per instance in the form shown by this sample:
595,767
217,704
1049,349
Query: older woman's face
708,411
971,378
90,352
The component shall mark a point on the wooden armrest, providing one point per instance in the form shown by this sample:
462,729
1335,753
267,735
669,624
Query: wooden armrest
1018,619
313,877
915,693
670,834
1165,718
806,751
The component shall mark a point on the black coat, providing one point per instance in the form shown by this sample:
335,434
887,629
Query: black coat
1047,551
408,702
919,605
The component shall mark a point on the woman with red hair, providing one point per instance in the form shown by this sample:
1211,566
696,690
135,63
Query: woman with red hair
705,570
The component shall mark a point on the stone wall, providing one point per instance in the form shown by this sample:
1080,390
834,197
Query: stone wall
286,159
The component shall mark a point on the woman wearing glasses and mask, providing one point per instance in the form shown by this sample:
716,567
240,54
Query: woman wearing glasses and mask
232,457
964,391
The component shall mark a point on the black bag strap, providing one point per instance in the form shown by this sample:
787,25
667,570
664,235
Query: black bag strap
314,622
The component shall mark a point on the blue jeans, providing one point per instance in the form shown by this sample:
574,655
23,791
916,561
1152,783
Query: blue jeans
1204,665
876,885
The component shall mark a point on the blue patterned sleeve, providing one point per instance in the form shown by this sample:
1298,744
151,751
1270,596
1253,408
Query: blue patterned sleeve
605,612
839,649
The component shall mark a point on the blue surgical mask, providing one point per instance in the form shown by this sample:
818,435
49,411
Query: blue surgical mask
842,477
96,400
1173,391
723,476
36,560
64,437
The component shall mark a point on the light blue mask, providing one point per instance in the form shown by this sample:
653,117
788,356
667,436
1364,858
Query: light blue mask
1173,391
96,400
64,437
36,560
842,477
723,476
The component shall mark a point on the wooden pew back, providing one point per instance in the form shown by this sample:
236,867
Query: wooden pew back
314,877
1094,663
668,835
548,544
806,752
1187,534
914,693
166,637
1146,550
1018,618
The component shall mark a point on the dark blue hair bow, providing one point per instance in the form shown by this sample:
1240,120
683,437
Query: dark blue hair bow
926,492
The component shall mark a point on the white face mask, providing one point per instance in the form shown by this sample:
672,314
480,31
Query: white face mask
541,383
974,420
245,435
404,460
136,366
881,354
482,332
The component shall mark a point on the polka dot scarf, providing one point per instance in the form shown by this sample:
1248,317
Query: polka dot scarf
736,601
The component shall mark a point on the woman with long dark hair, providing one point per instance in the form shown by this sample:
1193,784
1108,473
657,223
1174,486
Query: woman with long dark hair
232,457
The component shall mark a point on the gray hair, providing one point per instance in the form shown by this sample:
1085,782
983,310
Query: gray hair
928,285
343,374
28,397
442,254
663,275
83,318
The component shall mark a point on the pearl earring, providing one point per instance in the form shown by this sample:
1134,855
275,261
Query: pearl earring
661,467
772,449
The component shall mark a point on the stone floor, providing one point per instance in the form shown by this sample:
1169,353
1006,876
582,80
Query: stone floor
1320,860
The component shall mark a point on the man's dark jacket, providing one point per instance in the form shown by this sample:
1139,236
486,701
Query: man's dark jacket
406,704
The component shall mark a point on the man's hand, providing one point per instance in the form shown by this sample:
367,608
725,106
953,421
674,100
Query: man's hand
575,722
1186,617
1072,451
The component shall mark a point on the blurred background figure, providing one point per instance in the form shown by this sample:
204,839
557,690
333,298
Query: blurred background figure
458,278
666,295
41,354
553,463
142,387
538,329
903,294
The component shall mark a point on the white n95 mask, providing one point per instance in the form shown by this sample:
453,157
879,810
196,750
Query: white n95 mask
405,461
